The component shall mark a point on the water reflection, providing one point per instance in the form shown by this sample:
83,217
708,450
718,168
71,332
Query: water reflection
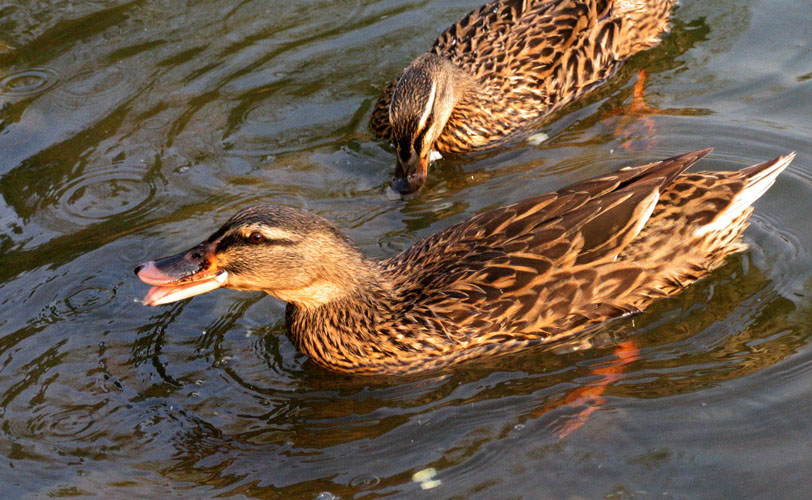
130,129
725,328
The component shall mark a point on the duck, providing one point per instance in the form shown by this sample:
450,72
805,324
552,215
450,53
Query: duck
503,68
533,272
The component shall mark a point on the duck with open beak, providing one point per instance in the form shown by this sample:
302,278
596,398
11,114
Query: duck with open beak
536,271
182,276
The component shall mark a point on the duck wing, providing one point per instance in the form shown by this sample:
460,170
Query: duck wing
518,38
528,265
505,43
541,54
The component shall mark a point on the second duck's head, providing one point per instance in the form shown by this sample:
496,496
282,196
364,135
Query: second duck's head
421,104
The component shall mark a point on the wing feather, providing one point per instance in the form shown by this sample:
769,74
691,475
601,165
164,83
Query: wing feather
534,261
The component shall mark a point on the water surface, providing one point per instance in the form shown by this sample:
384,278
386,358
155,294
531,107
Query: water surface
130,129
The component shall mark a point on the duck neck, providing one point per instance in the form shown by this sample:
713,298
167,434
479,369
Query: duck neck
474,120
354,332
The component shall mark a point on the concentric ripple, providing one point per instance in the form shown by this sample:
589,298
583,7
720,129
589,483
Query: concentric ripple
91,87
99,195
68,425
28,82
88,297
397,242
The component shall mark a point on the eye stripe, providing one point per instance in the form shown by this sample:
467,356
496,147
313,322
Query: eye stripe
227,241
429,107
237,239
404,150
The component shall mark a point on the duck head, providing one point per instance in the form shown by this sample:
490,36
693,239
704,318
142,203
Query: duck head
422,102
293,255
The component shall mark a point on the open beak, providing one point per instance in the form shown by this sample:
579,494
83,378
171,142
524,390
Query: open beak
182,276
409,177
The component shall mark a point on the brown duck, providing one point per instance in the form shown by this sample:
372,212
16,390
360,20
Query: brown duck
532,272
504,66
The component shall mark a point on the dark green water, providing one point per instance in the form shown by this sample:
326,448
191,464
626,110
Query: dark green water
129,130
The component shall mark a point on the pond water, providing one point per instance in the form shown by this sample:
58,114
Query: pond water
131,129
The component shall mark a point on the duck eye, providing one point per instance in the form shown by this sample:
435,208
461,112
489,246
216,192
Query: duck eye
256,237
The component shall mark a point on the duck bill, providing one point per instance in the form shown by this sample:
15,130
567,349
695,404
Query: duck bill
182,276
409,177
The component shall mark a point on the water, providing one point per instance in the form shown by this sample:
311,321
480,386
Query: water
130,129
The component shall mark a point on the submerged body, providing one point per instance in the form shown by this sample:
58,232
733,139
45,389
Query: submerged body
535,271
505,66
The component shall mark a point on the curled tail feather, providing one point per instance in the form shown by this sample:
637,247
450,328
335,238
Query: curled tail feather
757,180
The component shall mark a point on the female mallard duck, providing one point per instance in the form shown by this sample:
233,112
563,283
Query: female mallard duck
504,66
535,271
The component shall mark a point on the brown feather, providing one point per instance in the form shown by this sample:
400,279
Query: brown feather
532,272
522,60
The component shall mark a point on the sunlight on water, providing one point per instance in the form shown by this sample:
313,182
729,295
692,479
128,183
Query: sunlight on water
130,130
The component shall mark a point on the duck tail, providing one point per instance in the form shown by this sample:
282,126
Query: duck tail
757,180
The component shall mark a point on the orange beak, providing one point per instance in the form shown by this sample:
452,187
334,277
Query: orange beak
409,177
182,276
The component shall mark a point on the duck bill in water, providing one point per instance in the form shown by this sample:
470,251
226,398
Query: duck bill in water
182,276
410,176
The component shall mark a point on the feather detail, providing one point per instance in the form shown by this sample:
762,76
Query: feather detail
532,272
522,61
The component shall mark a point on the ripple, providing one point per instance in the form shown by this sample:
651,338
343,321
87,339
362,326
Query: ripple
398,242
97,196
128,251
91,86
155,123
66,425
87,298
289,21
282,124
365,481
28,82
781,249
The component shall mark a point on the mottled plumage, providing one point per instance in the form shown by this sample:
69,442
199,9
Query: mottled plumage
535,271
505,66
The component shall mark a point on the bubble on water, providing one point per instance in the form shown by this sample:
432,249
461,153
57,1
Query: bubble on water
428,485
537,139
155,123
325,495
365,481
424,475
425,478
